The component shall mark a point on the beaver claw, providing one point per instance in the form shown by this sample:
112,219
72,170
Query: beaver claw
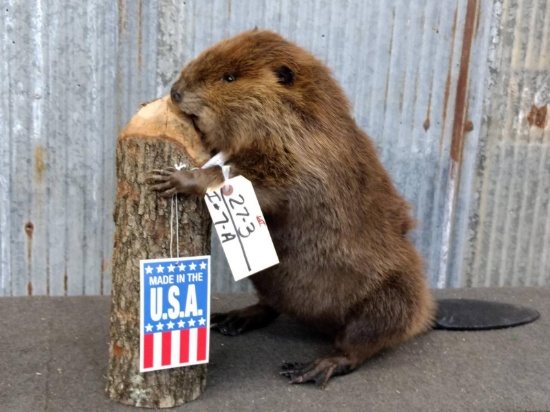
169,181
228,325
239,321
319,371
163,181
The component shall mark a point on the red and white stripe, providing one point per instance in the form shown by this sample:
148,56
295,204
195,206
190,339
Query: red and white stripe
171,349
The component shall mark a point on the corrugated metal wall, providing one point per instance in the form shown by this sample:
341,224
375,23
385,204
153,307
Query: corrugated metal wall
58,122
445,88
508,239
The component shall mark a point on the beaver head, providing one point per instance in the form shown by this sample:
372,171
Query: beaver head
256,89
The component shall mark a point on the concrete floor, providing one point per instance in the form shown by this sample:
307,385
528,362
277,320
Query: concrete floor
53,357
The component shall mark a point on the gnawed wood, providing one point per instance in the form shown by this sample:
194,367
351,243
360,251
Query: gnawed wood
161,119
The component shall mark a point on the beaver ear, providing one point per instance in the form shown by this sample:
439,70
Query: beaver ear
285,75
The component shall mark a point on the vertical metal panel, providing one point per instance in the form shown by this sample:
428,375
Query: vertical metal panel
58,125
509,238
467,151
452,93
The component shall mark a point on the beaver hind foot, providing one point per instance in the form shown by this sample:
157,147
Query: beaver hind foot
319,370
235,322
345,359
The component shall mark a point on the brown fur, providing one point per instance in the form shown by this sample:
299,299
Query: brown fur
337,222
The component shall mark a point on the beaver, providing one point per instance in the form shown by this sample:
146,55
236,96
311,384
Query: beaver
338,224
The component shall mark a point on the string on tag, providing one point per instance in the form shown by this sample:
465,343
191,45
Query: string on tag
225,171
217,160
174,201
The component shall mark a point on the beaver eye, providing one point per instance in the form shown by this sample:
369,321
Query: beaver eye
228,78
285,75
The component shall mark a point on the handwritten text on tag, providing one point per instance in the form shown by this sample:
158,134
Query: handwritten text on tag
241,227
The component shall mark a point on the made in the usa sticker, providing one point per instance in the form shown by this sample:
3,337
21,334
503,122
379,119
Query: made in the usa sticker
175,312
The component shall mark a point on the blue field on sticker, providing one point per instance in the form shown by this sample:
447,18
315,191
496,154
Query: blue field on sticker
176,294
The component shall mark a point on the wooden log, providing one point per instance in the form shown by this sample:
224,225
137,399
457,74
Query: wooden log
156,137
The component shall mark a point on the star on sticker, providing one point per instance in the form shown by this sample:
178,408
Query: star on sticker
149,328
181,267
160,326
192,266
148,270
181,323
171,268
202,321
203,265
191,323
170,325
160,269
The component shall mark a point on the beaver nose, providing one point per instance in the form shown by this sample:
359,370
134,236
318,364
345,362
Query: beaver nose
176,96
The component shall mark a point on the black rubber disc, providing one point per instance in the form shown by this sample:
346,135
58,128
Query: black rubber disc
470,314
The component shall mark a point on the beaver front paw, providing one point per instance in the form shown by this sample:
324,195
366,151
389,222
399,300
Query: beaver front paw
163,181
168,182
239,321
319,371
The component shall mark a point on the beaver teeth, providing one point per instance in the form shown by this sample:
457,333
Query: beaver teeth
194,120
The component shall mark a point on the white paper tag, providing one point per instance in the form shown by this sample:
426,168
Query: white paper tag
241,227
175,312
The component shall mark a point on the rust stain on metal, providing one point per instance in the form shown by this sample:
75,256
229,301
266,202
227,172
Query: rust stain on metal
426,124
478,14
538,116
39,163
29,229
445,102
448,84
468,126
65,282
460,109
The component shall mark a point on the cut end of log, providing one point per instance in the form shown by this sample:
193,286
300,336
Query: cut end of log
160,119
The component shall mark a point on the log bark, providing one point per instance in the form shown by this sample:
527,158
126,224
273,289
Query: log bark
156,137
